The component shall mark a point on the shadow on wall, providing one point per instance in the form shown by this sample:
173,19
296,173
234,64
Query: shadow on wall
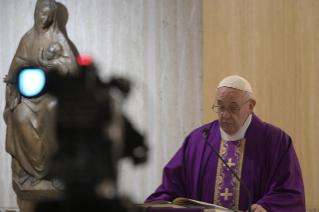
62,19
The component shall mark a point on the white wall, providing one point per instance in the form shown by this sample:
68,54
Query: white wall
155,43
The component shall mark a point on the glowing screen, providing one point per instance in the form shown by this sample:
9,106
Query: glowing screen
31,81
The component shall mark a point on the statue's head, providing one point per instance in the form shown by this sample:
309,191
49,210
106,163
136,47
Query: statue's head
45,13
55,51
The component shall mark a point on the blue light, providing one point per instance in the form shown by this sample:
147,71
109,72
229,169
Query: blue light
31,81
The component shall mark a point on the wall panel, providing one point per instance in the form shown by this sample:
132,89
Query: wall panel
222,47
301,58
276,50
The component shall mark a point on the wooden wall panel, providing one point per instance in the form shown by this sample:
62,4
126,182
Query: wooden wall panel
223,48
263,54
301,58
274,44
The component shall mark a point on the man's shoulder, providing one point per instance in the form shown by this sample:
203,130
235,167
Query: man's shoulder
199,131
264,126
272,128
208,126
195,140
269,131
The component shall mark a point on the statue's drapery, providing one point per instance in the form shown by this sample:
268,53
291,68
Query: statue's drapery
30,122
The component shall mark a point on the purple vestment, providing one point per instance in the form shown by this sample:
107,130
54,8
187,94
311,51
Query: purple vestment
270,169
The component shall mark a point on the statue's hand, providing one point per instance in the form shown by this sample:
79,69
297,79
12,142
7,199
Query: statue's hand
5,79
40,54
45,64
57,183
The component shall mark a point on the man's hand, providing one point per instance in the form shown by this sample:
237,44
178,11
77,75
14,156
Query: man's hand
257,208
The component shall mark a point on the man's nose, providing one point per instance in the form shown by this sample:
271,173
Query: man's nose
225,114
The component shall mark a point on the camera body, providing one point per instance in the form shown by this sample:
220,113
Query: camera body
93,135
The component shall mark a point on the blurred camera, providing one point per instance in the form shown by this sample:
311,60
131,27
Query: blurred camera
92,135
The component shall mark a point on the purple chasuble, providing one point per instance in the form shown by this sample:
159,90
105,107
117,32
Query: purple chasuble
269,168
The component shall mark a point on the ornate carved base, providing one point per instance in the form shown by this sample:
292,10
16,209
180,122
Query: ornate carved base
40,191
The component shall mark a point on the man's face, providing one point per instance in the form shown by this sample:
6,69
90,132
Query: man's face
233,98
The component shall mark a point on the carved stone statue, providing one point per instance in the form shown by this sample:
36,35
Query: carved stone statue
31,138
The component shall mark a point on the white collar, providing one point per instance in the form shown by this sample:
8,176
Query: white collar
238,135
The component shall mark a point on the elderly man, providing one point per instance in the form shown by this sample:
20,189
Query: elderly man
261,154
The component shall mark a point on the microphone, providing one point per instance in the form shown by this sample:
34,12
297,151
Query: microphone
205,132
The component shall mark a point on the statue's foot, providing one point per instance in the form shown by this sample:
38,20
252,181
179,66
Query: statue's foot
35,181
57,183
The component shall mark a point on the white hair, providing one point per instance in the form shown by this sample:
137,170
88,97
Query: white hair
248,94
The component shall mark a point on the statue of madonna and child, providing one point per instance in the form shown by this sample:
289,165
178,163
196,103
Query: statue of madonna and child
30,137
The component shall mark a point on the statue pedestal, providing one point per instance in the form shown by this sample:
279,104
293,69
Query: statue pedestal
43,190
25,205
28,195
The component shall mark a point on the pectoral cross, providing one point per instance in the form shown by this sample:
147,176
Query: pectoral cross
230,164
226,194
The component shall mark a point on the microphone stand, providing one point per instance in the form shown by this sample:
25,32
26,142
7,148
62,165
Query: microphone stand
205,132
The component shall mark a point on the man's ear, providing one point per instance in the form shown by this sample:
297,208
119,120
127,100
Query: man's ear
252,104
